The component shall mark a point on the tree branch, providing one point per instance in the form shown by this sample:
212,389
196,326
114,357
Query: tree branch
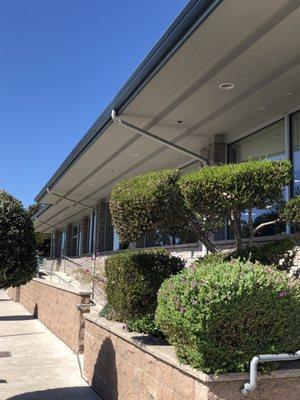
259,227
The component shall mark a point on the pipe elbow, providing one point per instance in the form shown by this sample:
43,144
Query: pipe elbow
113,115
255,361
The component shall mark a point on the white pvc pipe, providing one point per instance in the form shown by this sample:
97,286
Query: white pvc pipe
249,387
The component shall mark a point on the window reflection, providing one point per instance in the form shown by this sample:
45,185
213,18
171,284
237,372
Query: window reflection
268,143
295,125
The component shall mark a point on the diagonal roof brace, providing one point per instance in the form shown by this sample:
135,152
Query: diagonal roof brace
52,226
71,200
158,139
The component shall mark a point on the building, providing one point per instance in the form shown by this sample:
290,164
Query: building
223,82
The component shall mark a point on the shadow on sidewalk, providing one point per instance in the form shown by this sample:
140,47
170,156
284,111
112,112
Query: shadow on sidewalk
72,393
17,317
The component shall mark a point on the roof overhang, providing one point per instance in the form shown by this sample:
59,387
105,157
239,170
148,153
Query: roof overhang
175,94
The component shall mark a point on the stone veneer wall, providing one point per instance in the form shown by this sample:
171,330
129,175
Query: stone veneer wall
56,307
120,365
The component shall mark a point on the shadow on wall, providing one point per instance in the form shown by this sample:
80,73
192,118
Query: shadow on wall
105,377
36,311
72,393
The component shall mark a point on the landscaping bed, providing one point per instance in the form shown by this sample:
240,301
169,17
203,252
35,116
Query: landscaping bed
118,362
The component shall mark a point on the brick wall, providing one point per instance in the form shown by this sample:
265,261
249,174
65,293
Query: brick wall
119,365
14,293
56,307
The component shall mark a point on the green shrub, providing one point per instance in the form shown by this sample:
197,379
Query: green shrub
17,243
133,280
212,259
291,211
280,253
144,324
220,316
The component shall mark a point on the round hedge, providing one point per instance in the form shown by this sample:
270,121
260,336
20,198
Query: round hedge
17,243
133,280
149,201
221,315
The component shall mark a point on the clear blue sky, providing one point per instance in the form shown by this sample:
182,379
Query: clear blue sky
61,62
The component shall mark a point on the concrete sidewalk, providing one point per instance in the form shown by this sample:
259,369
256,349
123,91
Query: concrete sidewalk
41,367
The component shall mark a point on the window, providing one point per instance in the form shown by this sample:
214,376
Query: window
74,244
295,126
63,243
296,152
91,225
267,143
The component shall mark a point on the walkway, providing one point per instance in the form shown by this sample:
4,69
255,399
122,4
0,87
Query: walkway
41,367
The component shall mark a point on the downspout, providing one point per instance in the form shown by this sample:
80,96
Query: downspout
263,358
95,216
158,139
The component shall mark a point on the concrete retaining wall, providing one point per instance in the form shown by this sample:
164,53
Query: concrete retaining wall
119,365
56,307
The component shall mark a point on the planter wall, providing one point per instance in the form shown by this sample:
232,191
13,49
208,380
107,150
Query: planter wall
14,293
120,365
56,307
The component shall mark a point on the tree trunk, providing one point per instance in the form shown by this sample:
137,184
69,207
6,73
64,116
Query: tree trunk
236,227
208,244
251,226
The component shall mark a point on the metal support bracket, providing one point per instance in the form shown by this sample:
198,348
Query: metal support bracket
52,226
158,139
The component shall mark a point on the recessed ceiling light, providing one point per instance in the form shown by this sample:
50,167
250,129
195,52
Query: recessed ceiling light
263,108
289,93
226,86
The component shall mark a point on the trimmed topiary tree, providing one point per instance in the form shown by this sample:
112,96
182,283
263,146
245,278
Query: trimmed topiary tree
220,315
133,280
229,190
199,202
17,243
154,201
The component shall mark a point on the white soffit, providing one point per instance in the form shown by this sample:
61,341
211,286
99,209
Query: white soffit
251,43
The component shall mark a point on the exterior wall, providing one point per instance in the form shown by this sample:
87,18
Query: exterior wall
215,153
14,293
119,365
56,307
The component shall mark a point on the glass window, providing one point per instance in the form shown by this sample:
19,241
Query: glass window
296,151
295,126
74,244
268,143
91,224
